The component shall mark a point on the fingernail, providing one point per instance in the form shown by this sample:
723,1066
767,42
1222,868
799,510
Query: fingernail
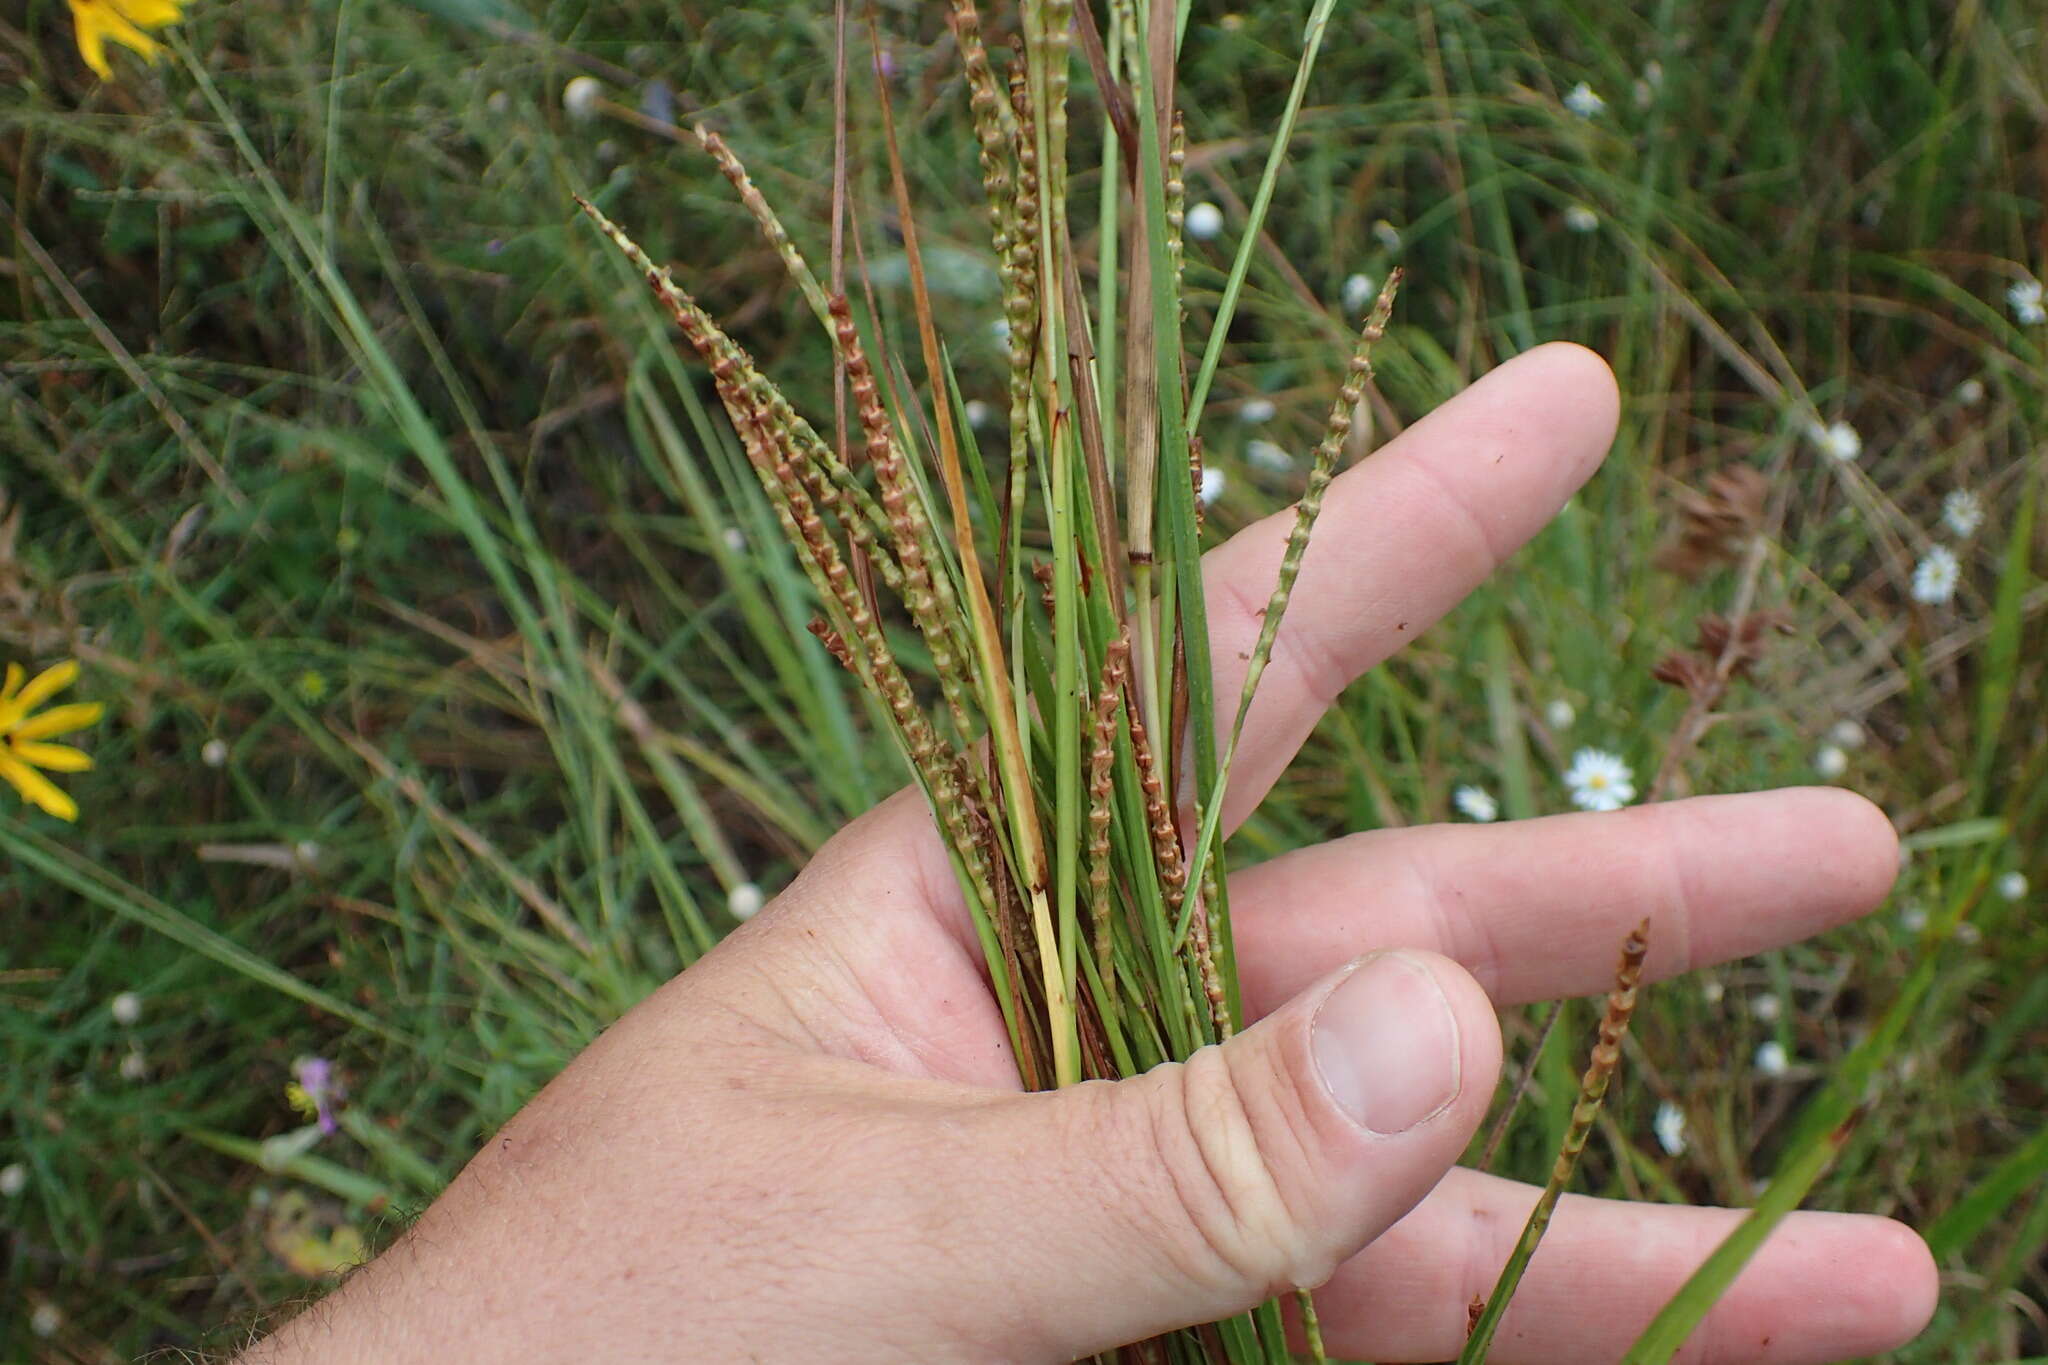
1386,1044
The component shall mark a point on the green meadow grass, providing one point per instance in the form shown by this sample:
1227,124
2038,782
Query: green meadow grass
334,437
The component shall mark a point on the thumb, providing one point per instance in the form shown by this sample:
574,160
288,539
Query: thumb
1254,1168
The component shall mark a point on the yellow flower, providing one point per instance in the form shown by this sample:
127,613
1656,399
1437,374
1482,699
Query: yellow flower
124,22
23,737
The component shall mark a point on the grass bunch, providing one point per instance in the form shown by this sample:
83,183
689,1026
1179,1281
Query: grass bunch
1055,585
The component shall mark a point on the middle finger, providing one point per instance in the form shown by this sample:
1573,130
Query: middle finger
1537,908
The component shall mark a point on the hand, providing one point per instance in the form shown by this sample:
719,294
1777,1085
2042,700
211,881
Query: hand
812,1145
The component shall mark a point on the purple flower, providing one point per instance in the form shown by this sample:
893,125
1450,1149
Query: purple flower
314,1090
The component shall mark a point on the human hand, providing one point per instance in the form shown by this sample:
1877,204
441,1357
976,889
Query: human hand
812,1145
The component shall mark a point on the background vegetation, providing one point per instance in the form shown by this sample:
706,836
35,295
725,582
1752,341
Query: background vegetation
328,435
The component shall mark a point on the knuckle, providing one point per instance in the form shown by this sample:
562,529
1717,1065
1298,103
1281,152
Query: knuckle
1228,1150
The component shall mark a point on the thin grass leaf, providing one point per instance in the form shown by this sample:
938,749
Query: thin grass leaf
1676,1321
1262,200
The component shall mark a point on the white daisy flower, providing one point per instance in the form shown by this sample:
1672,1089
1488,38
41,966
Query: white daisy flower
13,1179
1599,781
1669,1126
979,414
1771,1059
1204,221
1765,1008
1970,392
1582,100
1386,234
135,1066
1711,991
1559,715
1212,484
1936,576
1962,512
1267,455
1830,762
1255,411
1848,734
2025,298
1913,918
47,1319
214,753
2012,885
126,1008
745,901
1579,218
580,97
1359,293
1837,440
1475,803
735,539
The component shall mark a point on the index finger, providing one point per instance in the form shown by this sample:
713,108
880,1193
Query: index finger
1403,537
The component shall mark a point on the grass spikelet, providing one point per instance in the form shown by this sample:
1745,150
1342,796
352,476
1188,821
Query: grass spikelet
1101,762
995,130
764,215
1621,1005
926,592
1020,276
1323,468
1177,198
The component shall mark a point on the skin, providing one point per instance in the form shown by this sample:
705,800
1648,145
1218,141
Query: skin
812,1144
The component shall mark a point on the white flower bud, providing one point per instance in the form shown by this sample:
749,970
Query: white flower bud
745,901
580,97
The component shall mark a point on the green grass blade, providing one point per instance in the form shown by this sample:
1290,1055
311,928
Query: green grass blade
1675,1322
1255,222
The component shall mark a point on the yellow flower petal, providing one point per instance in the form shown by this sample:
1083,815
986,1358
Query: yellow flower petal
121,31
92,38
147,13
47,684
15,673
99,20
36,788
58,758
58,720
